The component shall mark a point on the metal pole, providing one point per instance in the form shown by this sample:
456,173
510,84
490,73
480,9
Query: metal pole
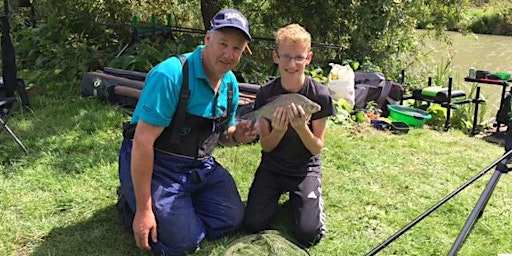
18,141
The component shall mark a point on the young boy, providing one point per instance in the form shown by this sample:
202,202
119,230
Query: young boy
291,144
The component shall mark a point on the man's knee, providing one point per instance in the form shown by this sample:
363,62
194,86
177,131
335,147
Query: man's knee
178,244
163,248
229,223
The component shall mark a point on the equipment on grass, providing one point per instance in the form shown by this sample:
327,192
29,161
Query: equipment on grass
5,106
373,86
449,99
11,87
10,84
122,88
504,115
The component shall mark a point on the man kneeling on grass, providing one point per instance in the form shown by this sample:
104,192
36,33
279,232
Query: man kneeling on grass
176,194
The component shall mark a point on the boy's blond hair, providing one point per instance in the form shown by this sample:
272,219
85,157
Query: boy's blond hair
294,33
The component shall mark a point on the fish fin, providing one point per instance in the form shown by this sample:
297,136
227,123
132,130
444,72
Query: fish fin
249,116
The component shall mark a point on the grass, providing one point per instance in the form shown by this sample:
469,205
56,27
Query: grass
60,198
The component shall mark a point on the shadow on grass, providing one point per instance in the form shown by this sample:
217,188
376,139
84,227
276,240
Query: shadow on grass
102,234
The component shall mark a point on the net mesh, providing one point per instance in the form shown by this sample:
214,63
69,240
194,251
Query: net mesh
264,243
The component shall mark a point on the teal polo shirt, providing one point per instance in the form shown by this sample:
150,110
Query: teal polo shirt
159,98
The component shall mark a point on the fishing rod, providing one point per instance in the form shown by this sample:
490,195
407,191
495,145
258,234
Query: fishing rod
141,31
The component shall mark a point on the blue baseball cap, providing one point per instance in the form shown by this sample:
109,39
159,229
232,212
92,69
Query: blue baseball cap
231,18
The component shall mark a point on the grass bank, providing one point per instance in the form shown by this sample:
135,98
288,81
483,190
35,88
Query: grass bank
60,198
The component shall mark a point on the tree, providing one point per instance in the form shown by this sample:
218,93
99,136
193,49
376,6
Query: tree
208,9
381,31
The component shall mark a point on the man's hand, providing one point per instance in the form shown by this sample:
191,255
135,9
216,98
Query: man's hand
144,223
246,131
298,117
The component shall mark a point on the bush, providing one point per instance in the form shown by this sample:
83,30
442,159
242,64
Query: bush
496,23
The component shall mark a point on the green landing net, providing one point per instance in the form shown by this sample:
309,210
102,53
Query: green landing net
265,243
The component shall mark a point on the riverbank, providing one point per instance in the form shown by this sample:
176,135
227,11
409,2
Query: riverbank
491,19
484,17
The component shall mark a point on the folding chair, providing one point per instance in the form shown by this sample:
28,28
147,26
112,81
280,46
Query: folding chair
5,106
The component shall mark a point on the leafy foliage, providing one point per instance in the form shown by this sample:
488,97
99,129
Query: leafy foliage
317,74
438,114
343,112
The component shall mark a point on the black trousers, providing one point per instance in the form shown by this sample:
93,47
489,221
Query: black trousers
307,217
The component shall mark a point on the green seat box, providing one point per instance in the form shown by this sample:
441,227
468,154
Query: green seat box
438,94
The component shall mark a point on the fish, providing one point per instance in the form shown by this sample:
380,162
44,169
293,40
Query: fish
283,100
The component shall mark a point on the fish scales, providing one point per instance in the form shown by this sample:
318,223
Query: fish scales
283,100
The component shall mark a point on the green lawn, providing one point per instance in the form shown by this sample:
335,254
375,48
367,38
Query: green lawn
60,198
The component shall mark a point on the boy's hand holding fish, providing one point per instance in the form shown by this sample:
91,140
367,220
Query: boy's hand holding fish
280,119
297,116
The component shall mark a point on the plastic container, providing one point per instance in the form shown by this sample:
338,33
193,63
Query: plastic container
411,116
500,75
399,127
472,73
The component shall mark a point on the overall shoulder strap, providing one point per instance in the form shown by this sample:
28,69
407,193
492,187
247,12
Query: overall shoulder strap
181,110
230,106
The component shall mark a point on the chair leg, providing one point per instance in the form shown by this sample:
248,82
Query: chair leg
449,104
18,141
475,114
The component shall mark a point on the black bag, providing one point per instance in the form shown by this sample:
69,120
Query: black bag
116,90
373,86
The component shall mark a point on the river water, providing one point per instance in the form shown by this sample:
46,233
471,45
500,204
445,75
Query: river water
482,52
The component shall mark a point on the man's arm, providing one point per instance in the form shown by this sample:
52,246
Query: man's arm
142,170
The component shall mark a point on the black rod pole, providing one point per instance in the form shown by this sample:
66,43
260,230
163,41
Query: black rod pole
436,206
475,114
449,105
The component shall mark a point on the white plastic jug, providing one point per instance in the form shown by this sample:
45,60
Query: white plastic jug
341,82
